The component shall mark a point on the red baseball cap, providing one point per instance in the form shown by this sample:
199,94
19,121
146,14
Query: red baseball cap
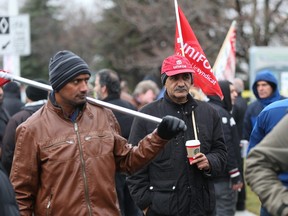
176,64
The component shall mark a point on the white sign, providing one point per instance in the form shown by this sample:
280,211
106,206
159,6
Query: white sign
15,35
273,59
4,7
284,83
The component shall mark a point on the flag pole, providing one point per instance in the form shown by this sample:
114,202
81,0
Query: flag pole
222,49
179,27
183,54
13,77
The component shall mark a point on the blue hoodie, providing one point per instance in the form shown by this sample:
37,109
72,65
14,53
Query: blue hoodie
267,75
257,106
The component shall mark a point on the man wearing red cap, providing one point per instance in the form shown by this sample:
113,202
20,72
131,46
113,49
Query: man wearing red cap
170,185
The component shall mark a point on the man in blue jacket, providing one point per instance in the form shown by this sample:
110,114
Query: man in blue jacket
265,89
265,122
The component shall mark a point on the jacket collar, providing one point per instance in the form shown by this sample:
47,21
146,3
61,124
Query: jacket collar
190,105
53,104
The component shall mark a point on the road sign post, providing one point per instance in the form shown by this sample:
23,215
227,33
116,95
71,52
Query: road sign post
15,35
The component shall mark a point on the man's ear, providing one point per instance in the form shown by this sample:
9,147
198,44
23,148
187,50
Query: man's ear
104,90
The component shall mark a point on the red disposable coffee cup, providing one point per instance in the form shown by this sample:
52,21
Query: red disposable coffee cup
193,147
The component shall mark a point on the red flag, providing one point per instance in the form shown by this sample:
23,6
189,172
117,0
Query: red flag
3,81
203,76
224,67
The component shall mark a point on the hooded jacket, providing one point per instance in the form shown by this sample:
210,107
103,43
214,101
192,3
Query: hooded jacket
64,167
257,106
230,131
266,121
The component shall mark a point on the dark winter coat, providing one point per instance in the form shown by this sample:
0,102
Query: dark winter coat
10,132
238,113
4,118
230,130
12,102
8,205
169,185
124,120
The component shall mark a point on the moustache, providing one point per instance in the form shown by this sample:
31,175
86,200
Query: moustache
181,89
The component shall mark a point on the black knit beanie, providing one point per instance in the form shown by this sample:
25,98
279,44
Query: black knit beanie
36,94
64,66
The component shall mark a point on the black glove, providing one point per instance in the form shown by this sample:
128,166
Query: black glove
170,126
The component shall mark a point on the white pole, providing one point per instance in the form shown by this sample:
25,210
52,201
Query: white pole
13,77
179,27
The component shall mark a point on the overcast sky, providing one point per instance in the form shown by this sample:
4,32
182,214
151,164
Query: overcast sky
90,5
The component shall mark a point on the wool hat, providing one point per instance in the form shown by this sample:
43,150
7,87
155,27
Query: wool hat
36,94
64,66
175,64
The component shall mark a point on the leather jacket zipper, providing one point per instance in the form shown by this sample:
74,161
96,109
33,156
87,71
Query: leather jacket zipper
83,169
48,207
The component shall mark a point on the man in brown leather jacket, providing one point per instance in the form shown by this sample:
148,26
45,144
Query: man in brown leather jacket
67,153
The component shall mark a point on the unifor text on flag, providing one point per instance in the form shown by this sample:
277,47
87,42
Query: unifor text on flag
203,76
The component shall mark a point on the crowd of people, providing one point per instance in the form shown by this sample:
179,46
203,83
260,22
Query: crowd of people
63,155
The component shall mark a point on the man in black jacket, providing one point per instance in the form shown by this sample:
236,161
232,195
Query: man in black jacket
8,205
107,88
170,185
228,184
12,98
35,99
4,118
